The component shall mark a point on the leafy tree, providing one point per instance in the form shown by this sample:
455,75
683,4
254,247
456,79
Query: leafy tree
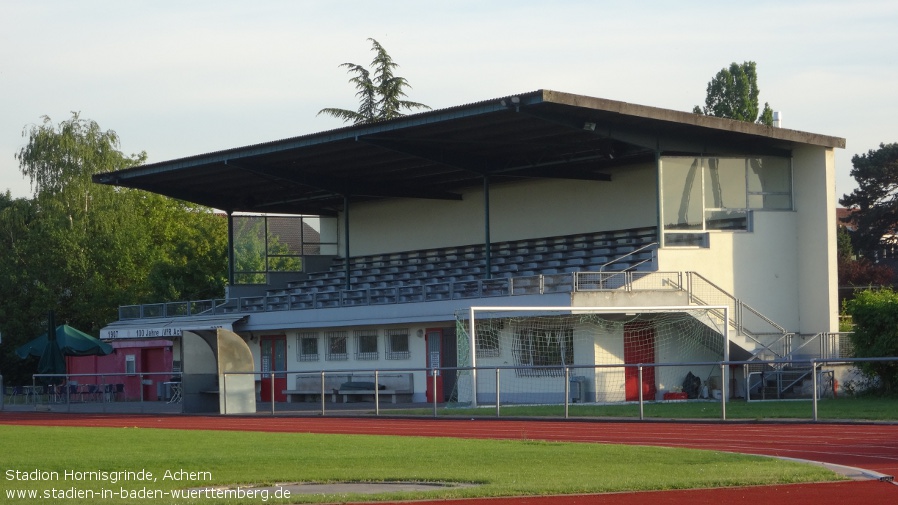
854,271
381,96
83,249
874,203
875,317
863,272
733,93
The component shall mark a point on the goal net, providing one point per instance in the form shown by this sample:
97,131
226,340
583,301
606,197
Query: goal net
534,355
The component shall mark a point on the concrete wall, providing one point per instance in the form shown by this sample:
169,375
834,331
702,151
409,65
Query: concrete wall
815,197
518,211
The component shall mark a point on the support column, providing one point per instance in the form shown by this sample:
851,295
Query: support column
487,246
659,197
346,238
231,259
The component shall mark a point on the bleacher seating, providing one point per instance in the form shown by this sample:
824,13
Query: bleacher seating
541,265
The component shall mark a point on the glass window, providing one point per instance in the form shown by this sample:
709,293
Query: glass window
682,193
724,183
308,347
770,183
686,239
726,219
265,244
397,344
700,194
366,345
542,348
336,346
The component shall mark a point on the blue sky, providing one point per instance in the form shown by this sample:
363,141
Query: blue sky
179,78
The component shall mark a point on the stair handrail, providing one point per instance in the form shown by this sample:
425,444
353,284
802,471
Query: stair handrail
634,251
738,307
738,304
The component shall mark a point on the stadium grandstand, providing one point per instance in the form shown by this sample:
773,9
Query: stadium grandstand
365,247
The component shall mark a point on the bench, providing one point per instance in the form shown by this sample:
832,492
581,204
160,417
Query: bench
392,384
310,386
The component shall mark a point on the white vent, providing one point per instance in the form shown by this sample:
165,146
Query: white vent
777,119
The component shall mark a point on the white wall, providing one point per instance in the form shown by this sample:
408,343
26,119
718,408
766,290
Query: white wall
760,267
521,210
415,361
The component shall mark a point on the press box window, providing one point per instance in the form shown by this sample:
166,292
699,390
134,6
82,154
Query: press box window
701,194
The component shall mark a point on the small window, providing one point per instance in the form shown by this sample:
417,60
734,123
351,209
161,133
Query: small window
366,345
686,240
397,344
538,347
336,346
130,364
308,347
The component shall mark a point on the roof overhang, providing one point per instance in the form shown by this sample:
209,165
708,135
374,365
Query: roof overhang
437,154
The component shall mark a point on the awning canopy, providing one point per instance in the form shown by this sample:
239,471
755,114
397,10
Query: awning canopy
435,154
168,327
70,341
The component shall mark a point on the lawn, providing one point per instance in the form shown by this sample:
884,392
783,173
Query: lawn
498,467
856,409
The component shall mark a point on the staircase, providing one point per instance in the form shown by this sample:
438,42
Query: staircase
753,332
756,335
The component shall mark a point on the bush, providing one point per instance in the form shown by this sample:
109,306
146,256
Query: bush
875,317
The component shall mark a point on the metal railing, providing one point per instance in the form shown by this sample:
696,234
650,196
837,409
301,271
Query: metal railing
653,246
108,391
301,298
701,291
175,309
499,389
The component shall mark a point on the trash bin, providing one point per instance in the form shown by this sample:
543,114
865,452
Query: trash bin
578,389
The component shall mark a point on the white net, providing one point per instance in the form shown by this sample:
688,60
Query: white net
533,353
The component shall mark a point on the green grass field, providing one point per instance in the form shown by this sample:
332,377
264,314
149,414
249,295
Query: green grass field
856,409
498,467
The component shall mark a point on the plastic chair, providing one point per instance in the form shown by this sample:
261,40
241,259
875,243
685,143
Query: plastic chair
108,390
91,391
72,390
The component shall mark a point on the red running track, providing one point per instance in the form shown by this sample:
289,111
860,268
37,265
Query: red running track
872,447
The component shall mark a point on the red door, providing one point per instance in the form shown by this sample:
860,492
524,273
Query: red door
639,347
274,359
152,359
434,360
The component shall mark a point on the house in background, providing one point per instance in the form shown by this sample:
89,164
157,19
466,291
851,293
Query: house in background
531,200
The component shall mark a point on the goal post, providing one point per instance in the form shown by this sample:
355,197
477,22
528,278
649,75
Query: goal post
538,346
